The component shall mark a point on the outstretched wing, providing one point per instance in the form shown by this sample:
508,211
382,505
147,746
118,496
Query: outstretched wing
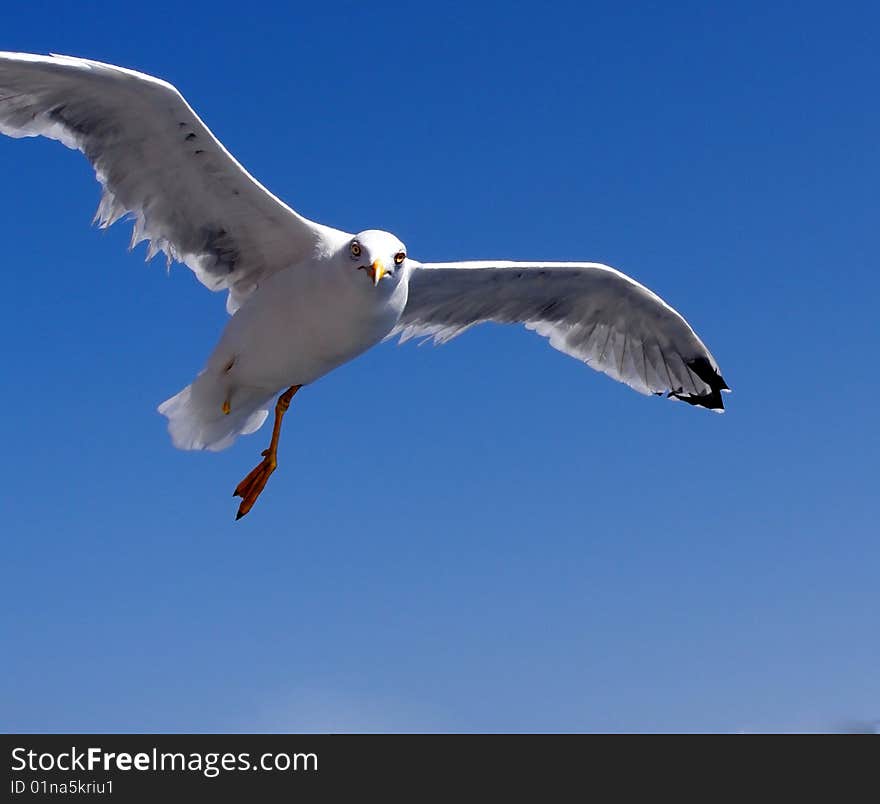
159,163
587,310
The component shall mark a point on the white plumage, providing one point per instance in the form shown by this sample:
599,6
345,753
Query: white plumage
587,310
300,303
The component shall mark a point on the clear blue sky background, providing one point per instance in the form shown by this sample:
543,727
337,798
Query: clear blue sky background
486,536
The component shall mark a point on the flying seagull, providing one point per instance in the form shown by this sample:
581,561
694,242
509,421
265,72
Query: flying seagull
304,297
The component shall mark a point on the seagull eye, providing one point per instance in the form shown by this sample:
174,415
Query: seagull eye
355,249
399,258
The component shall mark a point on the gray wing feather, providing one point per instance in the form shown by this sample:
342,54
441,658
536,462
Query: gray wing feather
587,310
160,164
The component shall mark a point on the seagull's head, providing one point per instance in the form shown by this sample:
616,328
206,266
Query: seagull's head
380,254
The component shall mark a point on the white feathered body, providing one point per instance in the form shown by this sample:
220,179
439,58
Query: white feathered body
297,326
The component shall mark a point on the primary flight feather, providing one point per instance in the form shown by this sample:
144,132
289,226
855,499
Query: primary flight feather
304,297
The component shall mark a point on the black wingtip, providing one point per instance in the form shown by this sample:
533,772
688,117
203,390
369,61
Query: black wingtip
709,375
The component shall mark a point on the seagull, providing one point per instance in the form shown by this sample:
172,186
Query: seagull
305,298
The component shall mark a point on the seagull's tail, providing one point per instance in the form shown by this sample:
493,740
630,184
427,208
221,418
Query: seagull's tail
197,417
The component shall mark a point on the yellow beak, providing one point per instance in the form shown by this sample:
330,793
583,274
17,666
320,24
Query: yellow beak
377,271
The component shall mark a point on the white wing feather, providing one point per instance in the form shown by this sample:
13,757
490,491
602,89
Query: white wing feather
586,310
159,163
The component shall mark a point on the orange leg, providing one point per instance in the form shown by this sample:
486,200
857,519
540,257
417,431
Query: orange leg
249,488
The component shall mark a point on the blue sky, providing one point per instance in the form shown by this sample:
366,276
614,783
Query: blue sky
542,548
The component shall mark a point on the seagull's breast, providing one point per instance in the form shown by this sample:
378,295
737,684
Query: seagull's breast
303,322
